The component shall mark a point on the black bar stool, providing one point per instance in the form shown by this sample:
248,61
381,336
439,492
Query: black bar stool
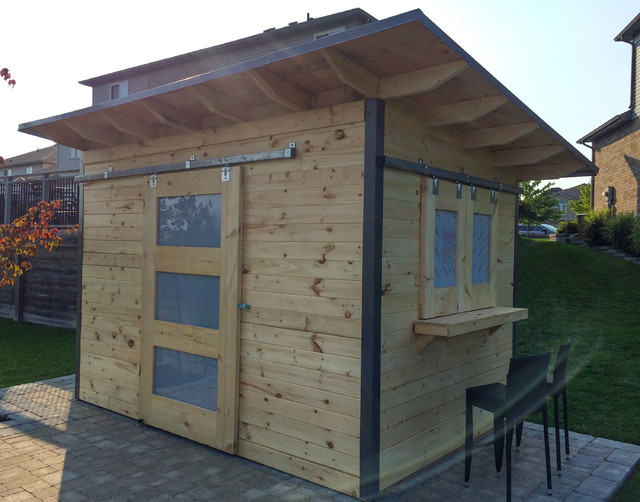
556,387
524,393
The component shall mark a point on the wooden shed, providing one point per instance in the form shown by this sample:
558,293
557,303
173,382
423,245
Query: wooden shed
305,258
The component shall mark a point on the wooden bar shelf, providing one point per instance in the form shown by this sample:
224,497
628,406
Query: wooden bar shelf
452,325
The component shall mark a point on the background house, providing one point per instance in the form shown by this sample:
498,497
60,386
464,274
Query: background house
616,143
563,196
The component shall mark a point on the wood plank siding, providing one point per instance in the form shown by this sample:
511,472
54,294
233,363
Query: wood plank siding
301,274
111,290
422,395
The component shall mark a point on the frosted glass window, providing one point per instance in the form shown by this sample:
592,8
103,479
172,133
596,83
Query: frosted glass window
445,249
188,299
190,220
481,239
186,377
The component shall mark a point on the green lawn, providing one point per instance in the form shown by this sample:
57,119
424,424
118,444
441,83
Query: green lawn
578,293
31,352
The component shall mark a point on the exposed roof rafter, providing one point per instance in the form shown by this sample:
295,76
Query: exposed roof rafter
419,81
525,156
100,135
61,134
351,73
132,126
495,136
171,116
221,104
280,91
550,171
462,112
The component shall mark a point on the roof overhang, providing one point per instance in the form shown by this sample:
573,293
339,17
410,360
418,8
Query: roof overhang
630,32
609,126
405,59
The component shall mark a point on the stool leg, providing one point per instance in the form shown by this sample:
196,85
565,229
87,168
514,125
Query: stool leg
509,439
565,414
556,420
498,440
519,427
468,442
547,456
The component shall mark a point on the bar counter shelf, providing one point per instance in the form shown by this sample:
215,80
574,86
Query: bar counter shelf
452,325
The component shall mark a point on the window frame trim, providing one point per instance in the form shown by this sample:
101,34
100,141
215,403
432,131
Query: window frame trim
463,296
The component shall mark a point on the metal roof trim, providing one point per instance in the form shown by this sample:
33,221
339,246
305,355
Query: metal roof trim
610,125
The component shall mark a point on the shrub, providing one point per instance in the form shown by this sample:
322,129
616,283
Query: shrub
635,238
595,221
568,227
617,230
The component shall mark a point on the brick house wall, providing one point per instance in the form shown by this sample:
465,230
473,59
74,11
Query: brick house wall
617,154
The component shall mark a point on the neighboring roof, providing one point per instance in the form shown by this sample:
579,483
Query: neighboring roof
436,78
572,193
609,126
48,155
272,39
630,31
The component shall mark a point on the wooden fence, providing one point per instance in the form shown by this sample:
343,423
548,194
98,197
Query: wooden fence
47,294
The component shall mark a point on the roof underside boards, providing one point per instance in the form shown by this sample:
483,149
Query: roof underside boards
405,58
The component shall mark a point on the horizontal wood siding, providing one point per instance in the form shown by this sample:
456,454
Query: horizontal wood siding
111,289
300,341
422,395
302,268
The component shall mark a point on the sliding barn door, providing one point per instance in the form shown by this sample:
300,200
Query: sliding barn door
189,367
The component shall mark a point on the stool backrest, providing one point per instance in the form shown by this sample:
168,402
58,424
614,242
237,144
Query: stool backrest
560,368
526,385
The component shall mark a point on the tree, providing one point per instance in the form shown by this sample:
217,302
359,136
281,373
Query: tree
583,204
6,75
535,203
20,240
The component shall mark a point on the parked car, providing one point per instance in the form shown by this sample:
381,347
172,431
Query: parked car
537,231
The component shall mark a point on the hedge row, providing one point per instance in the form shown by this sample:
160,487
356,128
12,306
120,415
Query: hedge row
605,228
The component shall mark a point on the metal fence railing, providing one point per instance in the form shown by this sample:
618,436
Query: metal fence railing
27,192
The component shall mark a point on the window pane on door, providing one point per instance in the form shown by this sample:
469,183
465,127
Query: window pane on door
190,220
188,299
481,239
186,377
445,249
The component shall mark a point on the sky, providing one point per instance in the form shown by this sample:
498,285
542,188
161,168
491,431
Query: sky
557,56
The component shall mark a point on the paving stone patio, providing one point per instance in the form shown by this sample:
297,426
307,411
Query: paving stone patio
53,447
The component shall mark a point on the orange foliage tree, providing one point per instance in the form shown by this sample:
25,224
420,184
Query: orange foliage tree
6,75
20,240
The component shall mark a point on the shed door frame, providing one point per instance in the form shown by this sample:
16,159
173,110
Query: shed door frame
216,428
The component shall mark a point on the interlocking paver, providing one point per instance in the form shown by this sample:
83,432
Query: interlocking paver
64,450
